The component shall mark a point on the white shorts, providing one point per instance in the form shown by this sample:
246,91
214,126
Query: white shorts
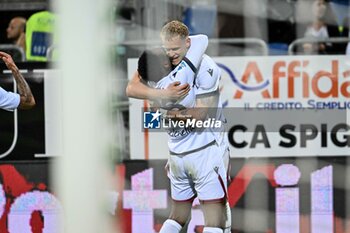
201,174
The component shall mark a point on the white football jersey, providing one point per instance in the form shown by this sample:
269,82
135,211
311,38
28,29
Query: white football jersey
183,140
184,74
208,80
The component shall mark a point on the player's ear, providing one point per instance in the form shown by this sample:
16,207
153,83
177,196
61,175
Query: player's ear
188,42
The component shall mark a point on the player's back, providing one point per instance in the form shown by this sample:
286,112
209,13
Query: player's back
207,86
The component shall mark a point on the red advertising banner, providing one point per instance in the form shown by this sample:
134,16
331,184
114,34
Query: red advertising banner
264,194
26,202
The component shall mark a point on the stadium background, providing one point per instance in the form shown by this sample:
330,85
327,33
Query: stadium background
276,23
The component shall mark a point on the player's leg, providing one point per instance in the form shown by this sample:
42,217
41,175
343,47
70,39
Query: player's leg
210,185
170,226
227,221
180,212
182,196
213,213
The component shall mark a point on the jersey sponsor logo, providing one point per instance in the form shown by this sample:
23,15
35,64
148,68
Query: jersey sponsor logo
210,71
179,132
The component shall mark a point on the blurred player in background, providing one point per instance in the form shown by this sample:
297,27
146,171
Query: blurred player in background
9,100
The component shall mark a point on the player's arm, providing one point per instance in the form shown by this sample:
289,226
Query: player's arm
137,89
27,100
207,97
205,104
199,44
177,90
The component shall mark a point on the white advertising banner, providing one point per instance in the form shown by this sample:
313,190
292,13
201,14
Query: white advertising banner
275,107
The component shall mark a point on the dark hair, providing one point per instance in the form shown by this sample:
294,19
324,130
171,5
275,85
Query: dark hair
151,65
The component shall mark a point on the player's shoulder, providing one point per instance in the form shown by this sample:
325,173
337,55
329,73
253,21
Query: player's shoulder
208,62
182,72
180,67
209,66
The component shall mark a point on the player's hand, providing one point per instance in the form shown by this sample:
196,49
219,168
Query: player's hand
8,60
176,91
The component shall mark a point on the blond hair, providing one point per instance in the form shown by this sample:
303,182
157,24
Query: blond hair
174,28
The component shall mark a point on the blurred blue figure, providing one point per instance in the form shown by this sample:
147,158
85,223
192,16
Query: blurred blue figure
200,18
278,49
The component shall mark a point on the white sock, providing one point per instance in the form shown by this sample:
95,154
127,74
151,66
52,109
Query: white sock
228,218
212,230
170,226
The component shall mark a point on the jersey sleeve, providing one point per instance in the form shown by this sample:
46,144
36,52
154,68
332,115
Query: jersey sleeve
182,73
208,79
199,44
8,100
